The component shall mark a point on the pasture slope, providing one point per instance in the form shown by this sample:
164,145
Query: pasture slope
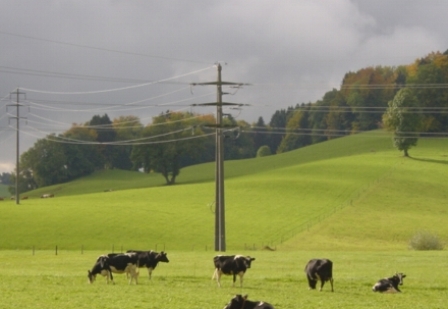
354,200
341,195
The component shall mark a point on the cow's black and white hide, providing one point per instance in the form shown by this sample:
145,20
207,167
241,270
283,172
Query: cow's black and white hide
150,259
319,270
231,265
241,302
105,265
390,284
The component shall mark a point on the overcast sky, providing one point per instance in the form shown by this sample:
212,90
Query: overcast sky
75,59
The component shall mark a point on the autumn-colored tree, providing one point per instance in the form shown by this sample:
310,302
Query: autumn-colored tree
428,76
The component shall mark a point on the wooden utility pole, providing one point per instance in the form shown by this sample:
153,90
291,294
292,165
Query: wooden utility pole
220,228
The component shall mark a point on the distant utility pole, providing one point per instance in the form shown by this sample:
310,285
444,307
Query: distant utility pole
220,228
17,93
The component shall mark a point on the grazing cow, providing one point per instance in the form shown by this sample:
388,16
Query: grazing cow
241,302
115,263
1,198
319,269
150,259
47,195
389,284
24,198
231,265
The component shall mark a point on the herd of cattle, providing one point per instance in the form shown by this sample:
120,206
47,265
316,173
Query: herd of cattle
234,265
127,263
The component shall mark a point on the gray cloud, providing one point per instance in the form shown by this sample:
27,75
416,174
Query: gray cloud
291,51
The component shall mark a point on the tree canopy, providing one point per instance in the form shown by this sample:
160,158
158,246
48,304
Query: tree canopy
403,118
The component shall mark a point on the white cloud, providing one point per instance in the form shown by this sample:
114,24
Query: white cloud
7,167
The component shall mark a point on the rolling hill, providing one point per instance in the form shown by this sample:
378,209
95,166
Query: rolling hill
351,193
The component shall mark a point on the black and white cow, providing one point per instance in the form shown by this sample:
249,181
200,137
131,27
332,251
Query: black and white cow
105,265
241,302
150,259
389,284
231,265
319,269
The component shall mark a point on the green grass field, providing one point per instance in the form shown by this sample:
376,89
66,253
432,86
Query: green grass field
355,200
50,281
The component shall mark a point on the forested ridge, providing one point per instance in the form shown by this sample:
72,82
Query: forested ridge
366,100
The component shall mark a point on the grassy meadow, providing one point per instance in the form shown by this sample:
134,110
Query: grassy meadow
355,200
50,281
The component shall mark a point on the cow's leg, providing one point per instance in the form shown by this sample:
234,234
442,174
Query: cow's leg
150,272
311,283
133,274
234,279
331,282
218,277
110,277
241,274
136,274
322,282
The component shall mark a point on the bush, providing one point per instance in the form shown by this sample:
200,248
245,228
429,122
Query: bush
264,151
425,241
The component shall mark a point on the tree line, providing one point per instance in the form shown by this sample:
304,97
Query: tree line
410,100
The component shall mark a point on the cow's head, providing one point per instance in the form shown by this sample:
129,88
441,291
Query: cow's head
91,276
248,260
400,277
237,302
161,257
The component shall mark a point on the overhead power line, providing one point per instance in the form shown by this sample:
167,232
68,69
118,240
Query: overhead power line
115,89
102,49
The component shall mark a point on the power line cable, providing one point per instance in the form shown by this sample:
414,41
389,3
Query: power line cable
102,49
115,89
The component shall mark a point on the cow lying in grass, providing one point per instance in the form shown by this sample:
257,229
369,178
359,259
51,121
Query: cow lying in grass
389,284
241,302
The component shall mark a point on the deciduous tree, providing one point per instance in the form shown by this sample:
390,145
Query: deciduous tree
403,118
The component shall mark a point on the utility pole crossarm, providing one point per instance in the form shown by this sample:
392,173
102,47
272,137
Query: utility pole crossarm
220,83
222,103
220,232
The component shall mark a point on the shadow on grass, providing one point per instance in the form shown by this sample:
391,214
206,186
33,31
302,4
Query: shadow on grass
430,160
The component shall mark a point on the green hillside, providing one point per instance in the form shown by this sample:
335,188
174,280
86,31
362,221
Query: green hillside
352,193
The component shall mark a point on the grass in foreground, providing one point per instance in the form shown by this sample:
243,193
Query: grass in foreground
50,281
